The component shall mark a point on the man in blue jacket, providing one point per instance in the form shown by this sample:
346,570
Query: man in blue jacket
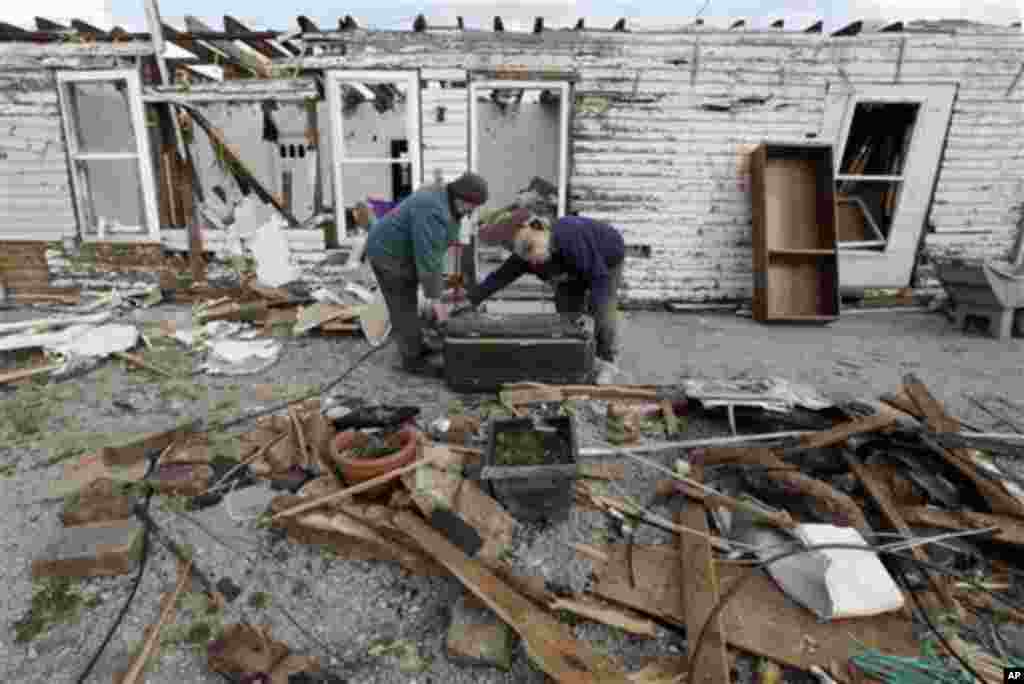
406,250
578,255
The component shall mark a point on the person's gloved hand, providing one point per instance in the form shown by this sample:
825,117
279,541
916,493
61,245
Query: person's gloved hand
440,311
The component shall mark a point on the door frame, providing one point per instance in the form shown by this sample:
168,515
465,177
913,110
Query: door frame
893,266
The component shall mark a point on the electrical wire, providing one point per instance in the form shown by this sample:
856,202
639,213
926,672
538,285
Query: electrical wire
135,587
740,583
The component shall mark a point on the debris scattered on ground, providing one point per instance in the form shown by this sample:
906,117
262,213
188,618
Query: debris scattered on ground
792,547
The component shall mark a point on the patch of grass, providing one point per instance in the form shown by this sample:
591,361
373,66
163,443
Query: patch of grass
568,617
409,658
167,355
55,601
198,625
180,389
519,448
225,450
8,470
68,444
26,414
225,408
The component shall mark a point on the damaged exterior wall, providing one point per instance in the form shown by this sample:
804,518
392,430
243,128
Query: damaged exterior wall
663,121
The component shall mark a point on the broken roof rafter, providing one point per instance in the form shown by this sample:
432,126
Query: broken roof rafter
243,33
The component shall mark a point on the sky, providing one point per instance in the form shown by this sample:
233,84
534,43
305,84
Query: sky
517,14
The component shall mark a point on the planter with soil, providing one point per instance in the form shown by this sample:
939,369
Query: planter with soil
520,442
362,456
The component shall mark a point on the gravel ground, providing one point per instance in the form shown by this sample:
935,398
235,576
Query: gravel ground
337,609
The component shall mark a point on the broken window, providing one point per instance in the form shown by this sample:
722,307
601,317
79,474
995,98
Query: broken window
871,170
109,150
375,121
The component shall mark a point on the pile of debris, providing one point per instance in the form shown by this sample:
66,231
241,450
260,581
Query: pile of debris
816,549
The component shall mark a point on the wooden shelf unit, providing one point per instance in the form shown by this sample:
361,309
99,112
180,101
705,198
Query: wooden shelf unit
796,252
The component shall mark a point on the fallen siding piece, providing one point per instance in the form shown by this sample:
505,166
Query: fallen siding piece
760,619
880,495
700,594
608,615
840,433
548,641
1011,530
63,321
843,509
998,498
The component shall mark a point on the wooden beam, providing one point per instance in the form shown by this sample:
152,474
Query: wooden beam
306,24
815,27
11,29
550,643
251,62
890,512
701,593
186,42
840,433
84,27
998,498
851,29
44,24
1011,530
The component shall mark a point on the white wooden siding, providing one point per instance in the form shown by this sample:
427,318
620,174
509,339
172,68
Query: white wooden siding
445,144
35,198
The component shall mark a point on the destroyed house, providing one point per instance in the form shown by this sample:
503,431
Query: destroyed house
651,130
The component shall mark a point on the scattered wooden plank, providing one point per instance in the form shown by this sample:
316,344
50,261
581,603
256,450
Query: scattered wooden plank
700,594
780,519
1011,530
548,641
840,433
607,615
356,489
671,422
169,602
760,619
997,497
880,494
15,376
844,510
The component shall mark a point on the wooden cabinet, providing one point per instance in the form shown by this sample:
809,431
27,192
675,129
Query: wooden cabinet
796,257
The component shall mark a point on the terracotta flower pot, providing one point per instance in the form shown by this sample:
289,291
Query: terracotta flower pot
356,470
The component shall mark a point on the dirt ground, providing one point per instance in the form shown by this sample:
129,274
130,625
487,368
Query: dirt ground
343,607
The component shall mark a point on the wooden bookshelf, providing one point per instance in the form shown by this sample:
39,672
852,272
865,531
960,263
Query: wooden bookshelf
796,253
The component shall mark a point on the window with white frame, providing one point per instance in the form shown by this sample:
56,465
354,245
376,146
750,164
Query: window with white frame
375,139
110,154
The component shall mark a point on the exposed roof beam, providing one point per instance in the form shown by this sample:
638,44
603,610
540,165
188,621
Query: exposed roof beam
739,23
815,27
779,23
254,62
11,29
499,25
851,29
188,42
233,26
579,25
348,23
44,24
460,23
894,27
538,25
84,27
306,24
420,24
620,25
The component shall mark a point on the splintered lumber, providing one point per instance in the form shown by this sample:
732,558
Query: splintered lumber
760,619
700,595
607,615
142,363
840,433
138,665
780,519
361,487
669,414
549,642
844,510
880,494
1011,530
998,498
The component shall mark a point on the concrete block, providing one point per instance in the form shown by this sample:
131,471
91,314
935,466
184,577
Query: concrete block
476,636
91,550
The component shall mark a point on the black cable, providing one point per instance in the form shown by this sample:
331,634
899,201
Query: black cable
135,587
740,583
323,389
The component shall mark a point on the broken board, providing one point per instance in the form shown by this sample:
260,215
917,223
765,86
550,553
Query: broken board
760,619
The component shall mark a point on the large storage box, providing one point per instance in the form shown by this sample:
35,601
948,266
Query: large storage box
484,351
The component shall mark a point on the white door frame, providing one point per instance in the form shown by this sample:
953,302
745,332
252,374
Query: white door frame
893,266
142,154
565,90
414,128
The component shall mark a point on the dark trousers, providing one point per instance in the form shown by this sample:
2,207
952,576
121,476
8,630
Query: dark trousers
399,283
571,297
